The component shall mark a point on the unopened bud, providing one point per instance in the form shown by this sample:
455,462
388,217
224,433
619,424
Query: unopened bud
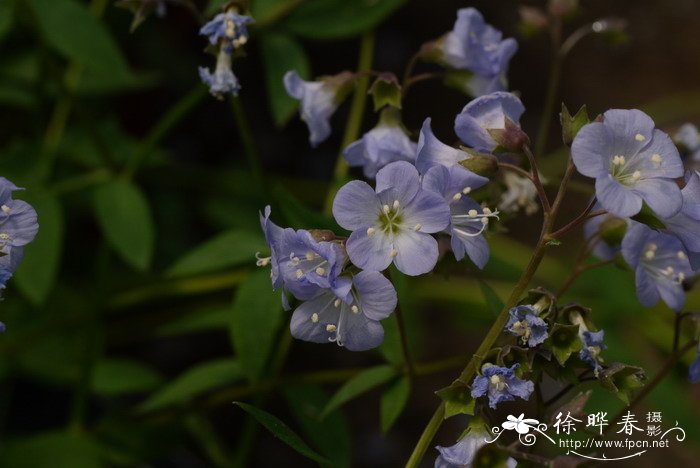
482,164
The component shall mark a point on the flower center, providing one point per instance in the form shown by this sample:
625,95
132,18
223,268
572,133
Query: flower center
473,223
390,219
659,264
522,328
498,383
310,261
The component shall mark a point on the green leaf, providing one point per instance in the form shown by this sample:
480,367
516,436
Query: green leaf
195,382
361,383
225,250
256,317
72,30
493,301
6,16
281,431
393,402
280,54
198,321
36,274
622,380
300,216
457,398
54,449
331,434
125,218
332,19
119,376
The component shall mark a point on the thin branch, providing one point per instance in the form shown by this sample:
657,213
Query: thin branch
516,169
536,180
583,216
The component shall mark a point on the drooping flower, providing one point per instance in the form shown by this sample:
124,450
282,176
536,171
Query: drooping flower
604,233
688,136
393,222
694,370
520,194
432,152
685,224
319,100
354,323
501,384
631,163
480,48
592,346
490,121
273,236
18,220
525,323
229,27
660,263
468,220
222,81
462,454
384,144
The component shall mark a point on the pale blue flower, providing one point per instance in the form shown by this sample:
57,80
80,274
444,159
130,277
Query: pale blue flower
231,28
468,220
432,152
592,346
382,145
354,323
685,224
488,113
393,222
688,136
18,220
524,323
660,263
631,162
222,81
462,454
501,384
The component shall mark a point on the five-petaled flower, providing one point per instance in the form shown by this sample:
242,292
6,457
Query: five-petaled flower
319,100
480,48
230,28
661,265
500,384
631,161
468,220
491,121
592,346
463,453
393,222
524,323
353,322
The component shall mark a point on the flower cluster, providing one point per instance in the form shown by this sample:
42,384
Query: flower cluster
18,227
637,169
226,32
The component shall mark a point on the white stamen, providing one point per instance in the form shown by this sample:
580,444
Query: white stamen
417,227
336,303
320,271
466,190
314,317
681,277
310,256
457,196
355,309
262,261
618,160
386,209
394,252
487,210
484,220
295,260
639,137
681,255
299,273
472,213
370,231
636,175
331,328
5,209
669,270
396,204
656,158
649,254
653,246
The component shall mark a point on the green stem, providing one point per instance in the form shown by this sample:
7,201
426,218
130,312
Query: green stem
357,110
552,89
470,370
408,362
165,124
249,148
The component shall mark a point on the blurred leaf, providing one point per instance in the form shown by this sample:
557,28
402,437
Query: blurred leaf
281,431
199,320
118,376
225,250
391,346
54,358
564,341
300,216
331,435
194,382
361,383
393,402
36,274
256,317
457,398
125,217
333,19
280,54
51,449
493,301
6,16
72,30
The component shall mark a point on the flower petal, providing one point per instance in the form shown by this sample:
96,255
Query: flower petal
616,198
376,294
429,210
402,177
432,151
305,326
662,195
356,206
417,252
586,151
369,252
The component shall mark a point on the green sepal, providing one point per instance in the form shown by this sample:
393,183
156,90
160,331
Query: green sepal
647,216
621,379
564,340
490,456
570,125
457,398
544,301
385,91
510,355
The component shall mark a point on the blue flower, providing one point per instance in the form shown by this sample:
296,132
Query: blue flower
432,152
392,223
9,261
688,136
501,384
468,220
486,116
478,47
631,162
685,224
592,346
222,81
525,323
463,452
354,323
694,370
319,100
660,263
273,237
384,144
18,221
231,28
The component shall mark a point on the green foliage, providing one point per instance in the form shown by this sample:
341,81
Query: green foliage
280,54
119,376
458,400
361,383
125,218
393,402
570,125
334,19
194,382
55,449
256,317
281,431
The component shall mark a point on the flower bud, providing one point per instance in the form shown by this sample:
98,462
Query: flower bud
482,164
